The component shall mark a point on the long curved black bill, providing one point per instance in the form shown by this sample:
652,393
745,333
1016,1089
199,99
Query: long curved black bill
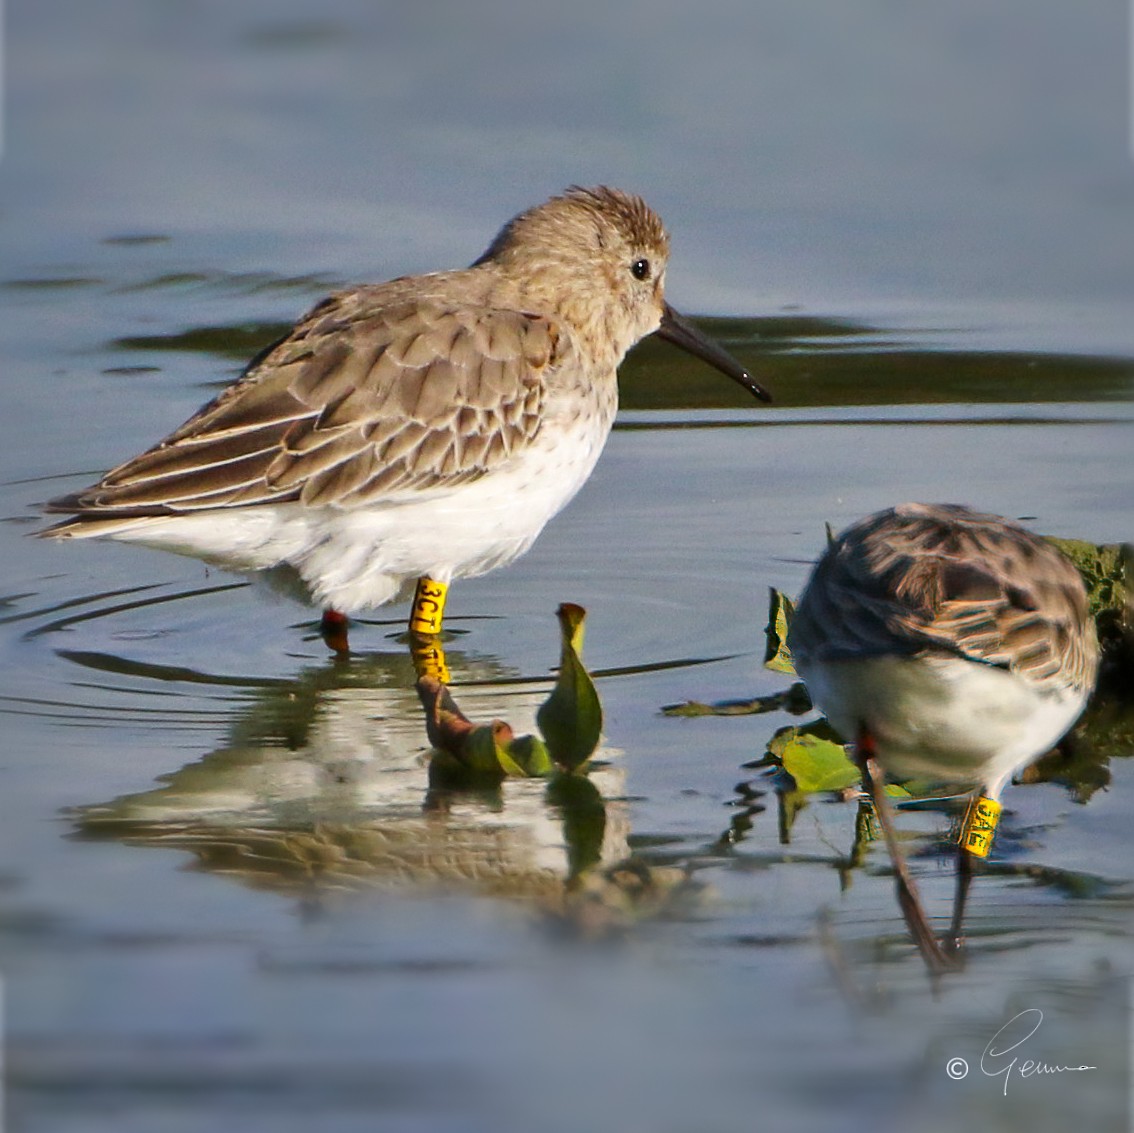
681,332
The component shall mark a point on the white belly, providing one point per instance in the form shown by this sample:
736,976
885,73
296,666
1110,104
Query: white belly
356,558
944,718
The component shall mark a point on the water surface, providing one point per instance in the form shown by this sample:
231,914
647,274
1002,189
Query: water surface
228,898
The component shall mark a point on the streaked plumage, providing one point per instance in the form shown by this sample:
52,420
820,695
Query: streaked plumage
948,644
429,426
960,641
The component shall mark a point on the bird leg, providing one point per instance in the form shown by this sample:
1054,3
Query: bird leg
975,840
979,827
333,627
425,628
909,901
428,607
966,867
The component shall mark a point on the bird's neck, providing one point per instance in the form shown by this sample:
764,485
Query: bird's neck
597,326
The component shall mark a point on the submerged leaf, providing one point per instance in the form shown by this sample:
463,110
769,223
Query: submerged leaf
571,717
790,804
478,750
777,656
793,699
583,811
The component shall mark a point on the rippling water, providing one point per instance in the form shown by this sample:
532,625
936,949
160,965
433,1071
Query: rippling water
228,896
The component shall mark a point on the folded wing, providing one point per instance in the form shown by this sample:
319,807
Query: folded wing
1017,604
360,402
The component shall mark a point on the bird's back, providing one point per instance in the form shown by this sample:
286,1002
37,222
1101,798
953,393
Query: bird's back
401,387
926,579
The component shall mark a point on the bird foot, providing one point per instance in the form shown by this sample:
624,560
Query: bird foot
333,626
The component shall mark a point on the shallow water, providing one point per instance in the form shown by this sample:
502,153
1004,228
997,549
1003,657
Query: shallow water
228,898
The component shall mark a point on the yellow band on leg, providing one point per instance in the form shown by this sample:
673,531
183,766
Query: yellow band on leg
428,606
429,660
979,827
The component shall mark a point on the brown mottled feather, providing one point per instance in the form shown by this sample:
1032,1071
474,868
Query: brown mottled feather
921,579
385,395
366,397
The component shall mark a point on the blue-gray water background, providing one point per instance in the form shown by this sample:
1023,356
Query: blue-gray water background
222,903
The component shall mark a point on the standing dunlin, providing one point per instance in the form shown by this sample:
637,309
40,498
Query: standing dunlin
415,431
950,645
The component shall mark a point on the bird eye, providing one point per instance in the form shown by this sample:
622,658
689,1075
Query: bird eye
640,269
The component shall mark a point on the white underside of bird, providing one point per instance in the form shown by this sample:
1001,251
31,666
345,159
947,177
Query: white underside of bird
944,718
351,559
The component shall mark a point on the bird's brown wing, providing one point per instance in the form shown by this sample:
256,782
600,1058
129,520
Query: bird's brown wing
360,401
1013,601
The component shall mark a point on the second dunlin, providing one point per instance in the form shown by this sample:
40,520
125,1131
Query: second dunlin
946,644
416,431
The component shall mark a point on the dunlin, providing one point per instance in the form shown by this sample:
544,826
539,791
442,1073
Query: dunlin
417,431
945,644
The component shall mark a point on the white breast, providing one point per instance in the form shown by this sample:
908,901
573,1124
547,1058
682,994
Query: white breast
352,559
944,718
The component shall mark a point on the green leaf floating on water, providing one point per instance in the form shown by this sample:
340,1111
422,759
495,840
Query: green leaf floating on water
486,750
571,717
532,757
777,656
818,764
783,737
816,758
